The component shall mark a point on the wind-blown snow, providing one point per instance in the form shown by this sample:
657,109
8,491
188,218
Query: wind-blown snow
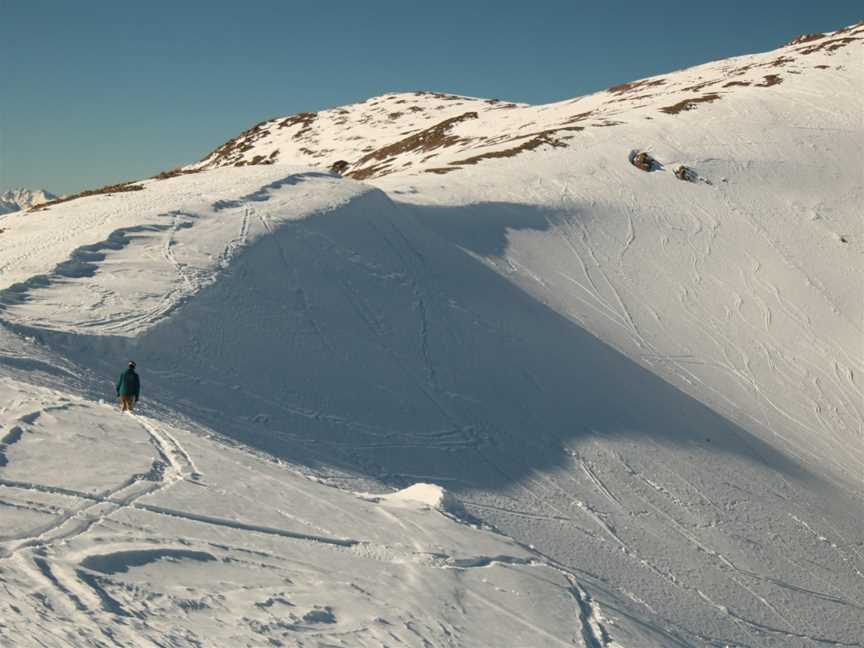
612,408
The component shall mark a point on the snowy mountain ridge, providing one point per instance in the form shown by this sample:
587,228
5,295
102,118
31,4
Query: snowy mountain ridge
541,398
17,199
433,132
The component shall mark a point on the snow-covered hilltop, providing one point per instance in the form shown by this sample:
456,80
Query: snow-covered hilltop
17,199
433,132
598,406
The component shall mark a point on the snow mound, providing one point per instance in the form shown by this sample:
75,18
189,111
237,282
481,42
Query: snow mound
418,495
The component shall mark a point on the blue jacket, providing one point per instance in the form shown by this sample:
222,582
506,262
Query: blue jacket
129,385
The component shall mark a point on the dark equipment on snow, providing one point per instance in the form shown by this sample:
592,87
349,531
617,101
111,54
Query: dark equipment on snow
685,173
643,161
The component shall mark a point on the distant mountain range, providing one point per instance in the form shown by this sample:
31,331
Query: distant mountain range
16,199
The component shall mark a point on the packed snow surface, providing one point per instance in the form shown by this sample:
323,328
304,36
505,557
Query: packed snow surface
491,386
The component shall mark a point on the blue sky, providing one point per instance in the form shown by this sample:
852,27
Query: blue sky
93,92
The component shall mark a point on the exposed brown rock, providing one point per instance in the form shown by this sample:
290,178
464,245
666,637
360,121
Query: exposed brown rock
579,116
633,98
770,80
368,172
699,86
780,61
530,145
685,173
109,189
549,132
429,139
635,85
304,119
741,70
173,173
805,38
643,161
339,167
689,104
260,159
232,150
830,45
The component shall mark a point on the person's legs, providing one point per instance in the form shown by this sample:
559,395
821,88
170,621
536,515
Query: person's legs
126,403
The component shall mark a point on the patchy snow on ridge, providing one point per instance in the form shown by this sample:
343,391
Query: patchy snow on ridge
415,133
597,406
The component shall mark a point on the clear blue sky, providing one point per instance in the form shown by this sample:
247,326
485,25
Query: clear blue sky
93,92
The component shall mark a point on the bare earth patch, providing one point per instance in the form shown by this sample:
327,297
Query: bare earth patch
173,173
580,116
429,139
304,119
830,45
780,61
699,86
689,104
805,38
232,151
109,189
530,145
635,85
770,80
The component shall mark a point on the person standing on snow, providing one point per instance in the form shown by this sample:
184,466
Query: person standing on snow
128,388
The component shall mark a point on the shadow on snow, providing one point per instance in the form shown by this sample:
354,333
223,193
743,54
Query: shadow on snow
369,338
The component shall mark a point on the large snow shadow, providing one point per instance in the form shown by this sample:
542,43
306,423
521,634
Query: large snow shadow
483,227
122,561
373,340
265,193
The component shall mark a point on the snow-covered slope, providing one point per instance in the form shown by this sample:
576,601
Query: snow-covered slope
17,199
129,531
641,395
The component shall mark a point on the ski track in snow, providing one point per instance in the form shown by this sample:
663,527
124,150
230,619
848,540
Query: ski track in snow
81,596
